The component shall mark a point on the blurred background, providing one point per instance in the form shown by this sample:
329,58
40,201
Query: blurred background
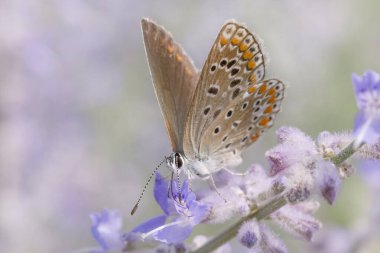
80,127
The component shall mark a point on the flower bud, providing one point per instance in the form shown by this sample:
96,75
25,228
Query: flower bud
249,234
296,222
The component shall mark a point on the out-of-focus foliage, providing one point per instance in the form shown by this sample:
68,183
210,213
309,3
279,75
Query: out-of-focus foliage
80,127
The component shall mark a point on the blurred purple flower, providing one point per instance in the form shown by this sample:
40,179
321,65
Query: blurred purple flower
106,229
249,234
269,241
327,180
296,222
181,209
367,120
294,147
370,171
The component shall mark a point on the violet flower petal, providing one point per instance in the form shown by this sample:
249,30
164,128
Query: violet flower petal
106,229
174,232
150,224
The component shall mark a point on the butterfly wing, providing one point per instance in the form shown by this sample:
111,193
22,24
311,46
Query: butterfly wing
234,63
174,78
243,122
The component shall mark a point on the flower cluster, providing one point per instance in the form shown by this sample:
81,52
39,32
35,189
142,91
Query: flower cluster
300,170
181,213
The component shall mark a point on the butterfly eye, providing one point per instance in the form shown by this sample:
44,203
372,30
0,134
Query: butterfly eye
178,160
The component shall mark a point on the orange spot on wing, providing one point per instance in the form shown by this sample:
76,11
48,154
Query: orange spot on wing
252,89
263,88
252,78
170,49
272,99
251,64
223,41
255,137
178,57
268,109
247,55
235,41
271,91
243,47
264,122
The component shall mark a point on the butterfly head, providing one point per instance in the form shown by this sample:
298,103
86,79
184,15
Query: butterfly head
175,161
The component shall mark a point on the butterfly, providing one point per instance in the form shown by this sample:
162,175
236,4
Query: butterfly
213,114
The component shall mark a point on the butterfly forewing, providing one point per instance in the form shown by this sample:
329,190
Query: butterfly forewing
234,63
174,78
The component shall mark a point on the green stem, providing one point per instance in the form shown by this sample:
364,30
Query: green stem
345,153
232,231
266,210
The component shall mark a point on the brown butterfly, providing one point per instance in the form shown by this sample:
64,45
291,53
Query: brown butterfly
212,115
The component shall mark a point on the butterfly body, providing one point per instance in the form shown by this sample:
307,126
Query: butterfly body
201,168
213,114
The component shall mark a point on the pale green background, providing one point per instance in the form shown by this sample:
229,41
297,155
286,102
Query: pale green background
80,127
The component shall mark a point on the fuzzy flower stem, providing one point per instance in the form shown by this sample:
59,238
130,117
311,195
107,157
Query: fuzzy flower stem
232,231
266,210
345,153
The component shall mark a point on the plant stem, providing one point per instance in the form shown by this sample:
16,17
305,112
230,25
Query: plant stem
345,154
266,210
232,231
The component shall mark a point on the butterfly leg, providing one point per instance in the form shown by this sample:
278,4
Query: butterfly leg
234,173
212,184
189,177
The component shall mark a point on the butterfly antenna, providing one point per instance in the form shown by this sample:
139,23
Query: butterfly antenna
146,185
179,187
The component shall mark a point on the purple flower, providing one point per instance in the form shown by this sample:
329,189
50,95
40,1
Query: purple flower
296,222
370,171
367,120
269,241
181,213
106,229
327,180
249,234
294,147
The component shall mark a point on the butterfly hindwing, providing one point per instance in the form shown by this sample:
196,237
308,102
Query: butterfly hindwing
243,122
174,78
